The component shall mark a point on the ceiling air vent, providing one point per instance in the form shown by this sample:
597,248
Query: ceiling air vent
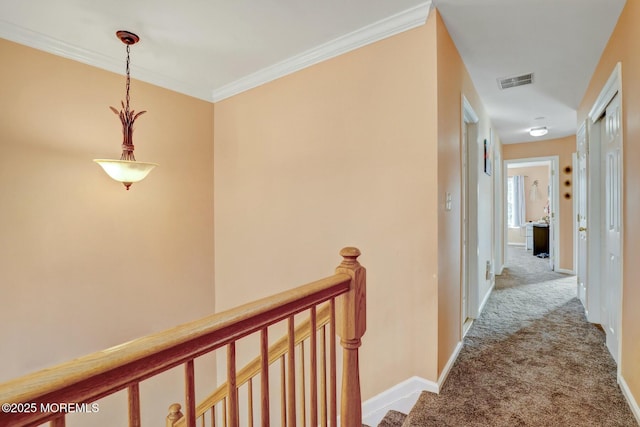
509,82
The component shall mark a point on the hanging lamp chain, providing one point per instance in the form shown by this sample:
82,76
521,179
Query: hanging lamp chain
127,145
128,77
127,117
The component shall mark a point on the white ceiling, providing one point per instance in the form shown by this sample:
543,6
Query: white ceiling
212,49
560,41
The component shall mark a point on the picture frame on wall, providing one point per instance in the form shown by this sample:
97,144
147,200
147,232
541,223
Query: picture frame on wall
487,157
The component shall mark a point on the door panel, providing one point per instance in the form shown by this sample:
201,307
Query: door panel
611,238
581,217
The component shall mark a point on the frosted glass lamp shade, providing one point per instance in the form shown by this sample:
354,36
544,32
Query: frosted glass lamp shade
126,171
539,131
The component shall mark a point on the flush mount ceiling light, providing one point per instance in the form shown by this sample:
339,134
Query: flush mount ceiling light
126,170
539,131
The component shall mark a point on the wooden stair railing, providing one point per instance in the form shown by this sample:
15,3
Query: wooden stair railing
276,352
90,378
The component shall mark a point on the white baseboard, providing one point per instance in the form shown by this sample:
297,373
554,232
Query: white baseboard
565,271
403,396
516,244
486,298
448,366
633,403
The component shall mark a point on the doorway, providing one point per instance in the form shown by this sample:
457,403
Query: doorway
531,206
468,235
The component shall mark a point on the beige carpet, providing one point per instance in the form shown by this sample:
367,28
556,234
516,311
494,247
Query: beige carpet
531,359
393,419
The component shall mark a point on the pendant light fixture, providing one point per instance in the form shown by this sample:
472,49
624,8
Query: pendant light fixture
126,170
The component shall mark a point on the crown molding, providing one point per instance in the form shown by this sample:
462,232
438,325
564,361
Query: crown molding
57,47
387,27
613,86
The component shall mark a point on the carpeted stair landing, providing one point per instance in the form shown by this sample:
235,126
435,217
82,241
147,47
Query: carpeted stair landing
531,359
391,419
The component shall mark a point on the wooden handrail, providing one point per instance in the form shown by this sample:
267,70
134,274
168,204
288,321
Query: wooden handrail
100,374
352,322
253,368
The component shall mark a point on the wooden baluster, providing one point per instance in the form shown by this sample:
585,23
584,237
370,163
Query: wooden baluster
291,396
250,397
333,405
224,412
174,414
190,394
313,369
213,416
352,324
323,376
134,405
283,392
264,376
232,391
202,421
303,397
58,422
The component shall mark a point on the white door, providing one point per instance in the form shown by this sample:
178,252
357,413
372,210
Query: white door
581,216
611,236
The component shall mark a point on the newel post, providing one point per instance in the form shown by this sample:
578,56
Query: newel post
351,325
174,414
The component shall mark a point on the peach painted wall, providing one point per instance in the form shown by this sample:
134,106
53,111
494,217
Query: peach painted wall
84,264
453,82
534,206
340,153
563,148
624,46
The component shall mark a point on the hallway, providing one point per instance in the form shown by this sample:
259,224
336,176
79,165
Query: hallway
531,359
